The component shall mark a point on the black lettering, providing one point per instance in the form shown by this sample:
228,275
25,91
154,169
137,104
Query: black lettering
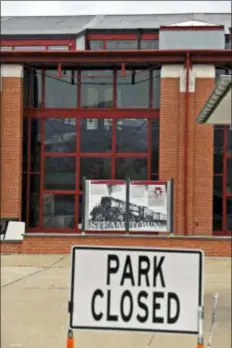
173,319
112,266
126,317
144,267
96,316
158,271
156,306
141,295
110,317
128,272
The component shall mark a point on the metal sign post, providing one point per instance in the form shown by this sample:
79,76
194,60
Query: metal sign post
200,339
213,321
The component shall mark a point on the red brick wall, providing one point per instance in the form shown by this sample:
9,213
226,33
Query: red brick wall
11,146
199,156
62,245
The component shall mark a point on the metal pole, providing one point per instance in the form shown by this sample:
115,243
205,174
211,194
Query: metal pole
213,321
200,340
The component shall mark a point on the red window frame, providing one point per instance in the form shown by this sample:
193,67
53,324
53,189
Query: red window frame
40,42
226,155
46,114
80,113
118,37
78,100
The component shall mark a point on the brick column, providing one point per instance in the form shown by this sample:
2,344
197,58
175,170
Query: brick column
199,145
11,140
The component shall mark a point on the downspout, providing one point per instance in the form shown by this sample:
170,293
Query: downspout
186,129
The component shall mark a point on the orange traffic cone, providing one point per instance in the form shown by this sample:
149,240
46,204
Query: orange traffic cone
70,339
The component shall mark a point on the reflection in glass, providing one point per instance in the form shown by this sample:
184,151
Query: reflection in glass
217,203
60,135
230,140
218,149
25,144
24,196
59,211
229,175
121,45
59,173
97,88
96,45
34,200
229,213
155,146
133,90
35,88
149,44
35,144
134,168
94,168
61,92
132,135
96,135
156,89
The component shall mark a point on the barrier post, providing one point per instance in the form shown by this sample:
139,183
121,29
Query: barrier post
200,339
70,339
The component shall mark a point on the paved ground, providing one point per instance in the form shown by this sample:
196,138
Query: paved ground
35,293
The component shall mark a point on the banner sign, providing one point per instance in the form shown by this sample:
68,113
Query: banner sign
157,290
130,206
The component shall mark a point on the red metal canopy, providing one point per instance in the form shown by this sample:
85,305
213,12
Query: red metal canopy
90,57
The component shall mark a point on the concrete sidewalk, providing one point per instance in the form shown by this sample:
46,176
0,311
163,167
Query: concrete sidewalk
35,294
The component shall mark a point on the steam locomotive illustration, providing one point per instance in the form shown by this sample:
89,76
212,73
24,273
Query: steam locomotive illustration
114,210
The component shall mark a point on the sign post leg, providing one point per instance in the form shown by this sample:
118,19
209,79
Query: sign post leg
70,339
200,339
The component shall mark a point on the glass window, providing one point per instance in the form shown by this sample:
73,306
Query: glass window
58,48
97,88
133,90
24,196
121,45
25,144
60,135
149,44
218,150
35,144
96,135
156,89
94,168
59,211
96,45
61,92
229,213
228,45
6,48
229,175
134,168
230,140
29,48
132,135
34,200
217,203
155,147
35,88
60,173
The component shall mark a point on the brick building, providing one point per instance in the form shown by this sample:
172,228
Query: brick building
107,97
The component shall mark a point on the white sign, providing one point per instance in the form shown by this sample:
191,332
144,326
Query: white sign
136,289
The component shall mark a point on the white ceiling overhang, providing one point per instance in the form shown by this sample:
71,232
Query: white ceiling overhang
217,109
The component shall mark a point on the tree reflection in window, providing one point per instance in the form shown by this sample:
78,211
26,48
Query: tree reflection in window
134,168
132,135
96,135
60,135
94,168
